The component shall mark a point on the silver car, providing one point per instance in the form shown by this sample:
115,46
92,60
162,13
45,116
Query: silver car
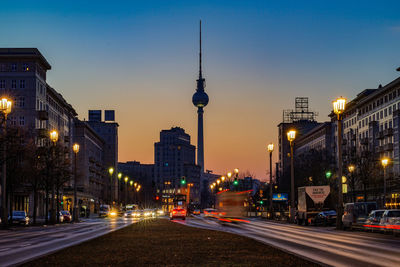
390,220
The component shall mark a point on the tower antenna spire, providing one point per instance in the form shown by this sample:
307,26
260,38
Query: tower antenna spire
200,74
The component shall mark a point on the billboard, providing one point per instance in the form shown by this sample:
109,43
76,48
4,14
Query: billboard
280,197
318,193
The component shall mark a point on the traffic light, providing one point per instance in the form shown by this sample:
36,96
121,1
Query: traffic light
328,174
157,198
183,180
235,182
261,202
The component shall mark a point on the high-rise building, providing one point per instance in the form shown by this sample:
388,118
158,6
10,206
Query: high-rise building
174,158
108,131
302,120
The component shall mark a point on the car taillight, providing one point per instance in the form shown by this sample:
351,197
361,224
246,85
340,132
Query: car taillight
174,212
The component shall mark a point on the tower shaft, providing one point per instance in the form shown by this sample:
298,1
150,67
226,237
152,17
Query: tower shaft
200,139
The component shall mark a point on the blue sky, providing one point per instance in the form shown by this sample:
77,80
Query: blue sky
140,57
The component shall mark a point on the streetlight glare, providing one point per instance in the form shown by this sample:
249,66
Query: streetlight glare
339,105
75,148
270,148
291,135
229,174
223,178
351,168
385,162
111,170
126,179
54,136
5,106
236,170
119,175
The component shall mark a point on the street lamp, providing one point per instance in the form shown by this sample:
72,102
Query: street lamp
5,109
270,150
111,172
53,138
75,148
223,178
291,135
384,162
339,106
351,169
118,191
126,188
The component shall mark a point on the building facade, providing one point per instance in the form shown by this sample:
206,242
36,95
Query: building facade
174,158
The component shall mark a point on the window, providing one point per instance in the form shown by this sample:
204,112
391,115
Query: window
13,121
385,112
21,102
21,120
3,67
381,114
25,67
2,84
22,84
13,67
373,117
390,110
14,84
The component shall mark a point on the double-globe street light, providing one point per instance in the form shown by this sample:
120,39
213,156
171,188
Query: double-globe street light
339,106
291,135
5,109
75,218
270,150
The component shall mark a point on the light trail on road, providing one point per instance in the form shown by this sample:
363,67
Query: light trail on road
22,245
323,245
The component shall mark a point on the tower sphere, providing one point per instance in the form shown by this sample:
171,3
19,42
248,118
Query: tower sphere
200,99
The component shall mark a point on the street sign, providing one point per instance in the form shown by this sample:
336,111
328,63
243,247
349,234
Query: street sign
280,197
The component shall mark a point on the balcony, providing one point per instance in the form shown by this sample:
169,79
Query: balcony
388,147
42,133
42,115
364,141
380,135
388,132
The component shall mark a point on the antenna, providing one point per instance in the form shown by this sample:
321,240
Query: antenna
200,53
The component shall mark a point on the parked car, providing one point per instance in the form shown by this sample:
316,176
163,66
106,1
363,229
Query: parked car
19,217
67,217
196,212
356,214
325,218
210,212
390,220
373,220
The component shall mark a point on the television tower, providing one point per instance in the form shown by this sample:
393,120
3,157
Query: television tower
200,100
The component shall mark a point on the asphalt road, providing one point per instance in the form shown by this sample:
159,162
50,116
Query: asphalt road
323,245
26,243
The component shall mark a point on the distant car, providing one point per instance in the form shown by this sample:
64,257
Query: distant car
67,217
210,212
178,213
390,220
373,220
196,212
325,218
129,214
160,212
104,209
19,217
147,213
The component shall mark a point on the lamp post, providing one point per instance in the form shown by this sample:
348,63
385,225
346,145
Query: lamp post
291,135
351,169
339,106
5,109
53,138
270,150
384,162
126,179
111,172
75,148
119,189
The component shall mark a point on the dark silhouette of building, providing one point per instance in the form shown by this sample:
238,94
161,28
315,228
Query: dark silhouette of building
174,158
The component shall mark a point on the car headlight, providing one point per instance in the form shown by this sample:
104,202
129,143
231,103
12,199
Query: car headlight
113,213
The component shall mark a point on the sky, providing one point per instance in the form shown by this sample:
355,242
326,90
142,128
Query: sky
141,59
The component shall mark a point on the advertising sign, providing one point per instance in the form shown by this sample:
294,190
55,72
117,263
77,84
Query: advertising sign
318,193
280,197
